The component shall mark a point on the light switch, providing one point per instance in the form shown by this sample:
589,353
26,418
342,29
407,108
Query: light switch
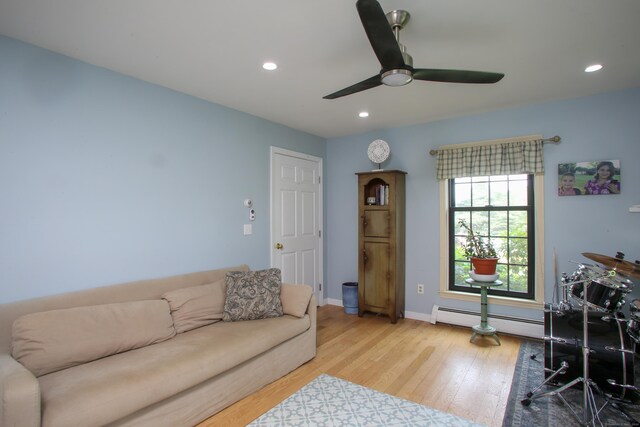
248,229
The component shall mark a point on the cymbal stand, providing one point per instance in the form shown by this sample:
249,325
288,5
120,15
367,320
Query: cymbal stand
590,411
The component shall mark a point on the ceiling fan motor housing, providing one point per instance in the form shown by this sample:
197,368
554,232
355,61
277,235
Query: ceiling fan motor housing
398,76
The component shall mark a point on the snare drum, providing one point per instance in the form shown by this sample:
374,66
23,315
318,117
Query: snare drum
605,290
607,339
602,295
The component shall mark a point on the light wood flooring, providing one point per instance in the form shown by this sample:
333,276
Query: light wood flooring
434,365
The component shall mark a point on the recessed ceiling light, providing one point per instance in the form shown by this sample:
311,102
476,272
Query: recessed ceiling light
592,68
269,66
363,114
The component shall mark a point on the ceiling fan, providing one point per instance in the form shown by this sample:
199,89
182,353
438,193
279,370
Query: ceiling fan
383,32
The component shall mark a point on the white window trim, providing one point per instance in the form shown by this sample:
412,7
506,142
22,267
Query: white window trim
538,303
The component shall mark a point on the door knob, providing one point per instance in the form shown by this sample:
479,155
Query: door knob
279,246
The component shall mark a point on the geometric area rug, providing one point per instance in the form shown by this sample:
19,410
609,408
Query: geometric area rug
550,410
330,401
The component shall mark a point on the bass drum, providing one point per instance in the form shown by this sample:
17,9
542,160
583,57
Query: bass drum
607,337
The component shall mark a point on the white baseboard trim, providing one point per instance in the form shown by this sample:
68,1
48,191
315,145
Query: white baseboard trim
331,301
507,324
417,316
408,314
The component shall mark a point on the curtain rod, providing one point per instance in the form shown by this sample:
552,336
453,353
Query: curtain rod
554,140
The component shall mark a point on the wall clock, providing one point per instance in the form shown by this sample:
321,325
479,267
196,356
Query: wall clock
378,152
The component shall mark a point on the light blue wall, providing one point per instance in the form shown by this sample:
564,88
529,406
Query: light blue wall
592,128
105,179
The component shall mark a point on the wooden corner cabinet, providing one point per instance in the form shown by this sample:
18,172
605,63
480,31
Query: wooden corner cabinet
381,240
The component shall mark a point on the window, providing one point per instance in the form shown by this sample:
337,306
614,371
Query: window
502,209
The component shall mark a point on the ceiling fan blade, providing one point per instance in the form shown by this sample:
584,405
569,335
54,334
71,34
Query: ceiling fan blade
456,76
369,83
380,34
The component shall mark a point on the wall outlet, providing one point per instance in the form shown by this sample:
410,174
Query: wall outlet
420,288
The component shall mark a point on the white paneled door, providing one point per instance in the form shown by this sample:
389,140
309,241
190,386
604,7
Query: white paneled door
296,218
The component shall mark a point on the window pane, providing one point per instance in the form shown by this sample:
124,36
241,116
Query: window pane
518,251
518,278
480,223
500,244
498,223
518,193
457,216
499,193
463,195
480,194
518,223
462,273
459,248
503,271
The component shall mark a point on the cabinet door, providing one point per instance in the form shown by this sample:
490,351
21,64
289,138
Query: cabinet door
376,274
376,223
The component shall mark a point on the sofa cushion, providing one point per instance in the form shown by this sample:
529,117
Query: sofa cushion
295,299
108,389
53,340
252,295
196,306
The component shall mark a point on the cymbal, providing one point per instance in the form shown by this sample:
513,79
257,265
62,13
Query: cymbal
621,266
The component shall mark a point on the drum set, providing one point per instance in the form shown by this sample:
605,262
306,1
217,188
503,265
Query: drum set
589,343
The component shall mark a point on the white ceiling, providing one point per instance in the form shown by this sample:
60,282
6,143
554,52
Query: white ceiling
214,50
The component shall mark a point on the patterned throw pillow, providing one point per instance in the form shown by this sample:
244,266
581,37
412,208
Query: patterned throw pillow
252,295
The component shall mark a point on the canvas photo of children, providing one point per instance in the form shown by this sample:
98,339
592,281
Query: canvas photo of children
589,178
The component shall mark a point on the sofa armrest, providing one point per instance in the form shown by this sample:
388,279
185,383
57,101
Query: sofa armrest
312,311
312,308
19,394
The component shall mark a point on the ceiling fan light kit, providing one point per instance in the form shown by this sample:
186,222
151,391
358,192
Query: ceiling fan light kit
383,32
397,77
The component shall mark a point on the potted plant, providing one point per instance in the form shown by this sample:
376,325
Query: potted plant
482,254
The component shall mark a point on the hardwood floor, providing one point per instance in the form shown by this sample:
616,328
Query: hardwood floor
434,365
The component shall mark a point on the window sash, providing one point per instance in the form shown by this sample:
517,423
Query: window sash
531,239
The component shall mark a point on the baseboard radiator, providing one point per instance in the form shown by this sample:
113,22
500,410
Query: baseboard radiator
507,324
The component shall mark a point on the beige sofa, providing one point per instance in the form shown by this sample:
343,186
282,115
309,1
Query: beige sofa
142,371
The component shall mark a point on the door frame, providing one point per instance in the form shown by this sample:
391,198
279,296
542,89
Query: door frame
320,286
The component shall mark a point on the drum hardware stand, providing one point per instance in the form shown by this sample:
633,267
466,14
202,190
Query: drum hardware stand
624,386
564,305
563,370
590,411
620,405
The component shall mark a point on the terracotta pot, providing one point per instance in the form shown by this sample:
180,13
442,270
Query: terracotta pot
484,265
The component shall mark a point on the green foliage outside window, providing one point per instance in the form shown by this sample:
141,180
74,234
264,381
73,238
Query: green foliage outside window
500,214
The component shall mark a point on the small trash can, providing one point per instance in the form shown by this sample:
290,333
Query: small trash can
350,297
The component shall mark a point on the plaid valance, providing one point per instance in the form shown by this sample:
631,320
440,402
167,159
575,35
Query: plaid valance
502,157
